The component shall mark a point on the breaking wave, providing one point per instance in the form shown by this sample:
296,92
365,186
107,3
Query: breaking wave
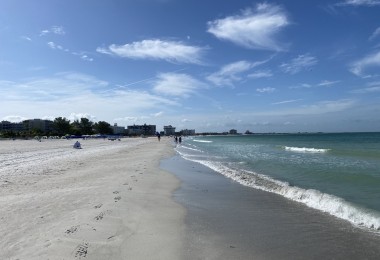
333,205
201,141
305,150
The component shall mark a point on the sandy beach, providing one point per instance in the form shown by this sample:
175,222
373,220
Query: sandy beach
108,200
136,199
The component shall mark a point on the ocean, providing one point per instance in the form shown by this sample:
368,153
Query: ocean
335,173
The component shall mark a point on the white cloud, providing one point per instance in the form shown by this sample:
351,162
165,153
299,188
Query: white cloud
134,119
375,34
231,73
76,95
158,114
253,29
366,90
59,30
286,102
296,65
83,56
323,83
176,84
14,118
359,3
329,106
265,90
260,74
77,116
156,49
372,87
327,83
359,66
56,87
86,58
26,38
54,46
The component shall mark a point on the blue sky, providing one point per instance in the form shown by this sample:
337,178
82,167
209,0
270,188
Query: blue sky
274,66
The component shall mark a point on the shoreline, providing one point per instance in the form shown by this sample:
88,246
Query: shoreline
226,220
138,199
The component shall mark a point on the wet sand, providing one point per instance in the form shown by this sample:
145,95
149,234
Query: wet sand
226,220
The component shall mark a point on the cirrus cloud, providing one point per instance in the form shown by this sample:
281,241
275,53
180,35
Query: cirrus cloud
231,73
171,51
253,29
359,3
176,84
265,90
359,66
296,65
59,30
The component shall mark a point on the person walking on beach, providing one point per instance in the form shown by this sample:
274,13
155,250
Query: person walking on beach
176,139
158,136
180,139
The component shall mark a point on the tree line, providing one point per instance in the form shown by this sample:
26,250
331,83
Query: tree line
84,126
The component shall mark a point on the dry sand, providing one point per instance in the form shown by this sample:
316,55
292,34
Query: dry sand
109,200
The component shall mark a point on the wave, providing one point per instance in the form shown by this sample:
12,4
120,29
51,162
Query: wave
305,150
193,149
201,141
330,204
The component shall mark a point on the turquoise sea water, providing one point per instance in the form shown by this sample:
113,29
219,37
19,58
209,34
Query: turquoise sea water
335,173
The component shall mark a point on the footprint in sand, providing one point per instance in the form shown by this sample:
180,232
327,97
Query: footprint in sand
81,250
98,206
72,230
117,198
101,215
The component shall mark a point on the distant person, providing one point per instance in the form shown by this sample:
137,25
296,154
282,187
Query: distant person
77,145
180,139
176,139
158,136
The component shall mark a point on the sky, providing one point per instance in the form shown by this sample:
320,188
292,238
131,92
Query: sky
208,65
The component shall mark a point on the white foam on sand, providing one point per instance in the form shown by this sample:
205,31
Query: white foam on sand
333,205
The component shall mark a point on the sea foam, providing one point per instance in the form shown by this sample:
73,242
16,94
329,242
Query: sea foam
333,205
201,141
305,150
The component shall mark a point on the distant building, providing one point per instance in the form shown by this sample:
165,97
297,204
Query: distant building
233,132
5,126
188,132
118,130
9,126
141,129
44,126
169,130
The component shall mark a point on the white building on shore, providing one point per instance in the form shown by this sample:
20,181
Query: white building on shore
169,130
118,130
